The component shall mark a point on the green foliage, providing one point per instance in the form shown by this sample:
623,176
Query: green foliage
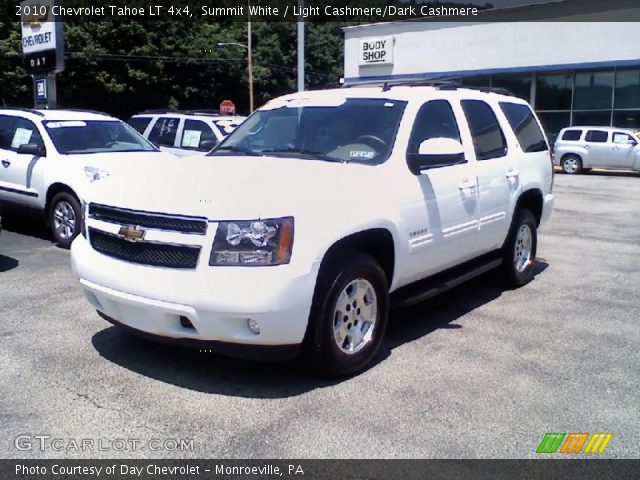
126,66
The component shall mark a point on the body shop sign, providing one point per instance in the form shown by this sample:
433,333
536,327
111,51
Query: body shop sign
376,51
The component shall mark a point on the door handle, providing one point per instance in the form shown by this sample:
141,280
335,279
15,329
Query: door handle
467,184
616,148
587,147
512,173
6,163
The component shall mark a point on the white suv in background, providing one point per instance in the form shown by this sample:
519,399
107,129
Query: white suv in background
578,149
48,158
184,133
319,211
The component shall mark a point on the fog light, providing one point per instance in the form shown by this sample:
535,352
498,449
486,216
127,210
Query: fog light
253,326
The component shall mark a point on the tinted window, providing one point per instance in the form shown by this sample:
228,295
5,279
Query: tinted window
140,123
164,131
572,135
525,127
434,120
198,135
359,130
6,131
596,136
25,132
488,139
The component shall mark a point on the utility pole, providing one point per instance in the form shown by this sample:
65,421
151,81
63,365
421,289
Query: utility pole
300,47
249,59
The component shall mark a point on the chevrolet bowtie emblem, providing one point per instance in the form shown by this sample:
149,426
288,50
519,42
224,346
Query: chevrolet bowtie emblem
131,233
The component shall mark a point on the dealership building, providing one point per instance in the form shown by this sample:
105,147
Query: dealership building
573,72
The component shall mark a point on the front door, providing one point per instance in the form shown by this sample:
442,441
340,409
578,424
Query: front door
624,149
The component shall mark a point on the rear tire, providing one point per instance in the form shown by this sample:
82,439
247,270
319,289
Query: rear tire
65,219
519,251
571,165
348,316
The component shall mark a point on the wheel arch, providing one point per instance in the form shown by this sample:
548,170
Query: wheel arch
377,242
53,190
533,200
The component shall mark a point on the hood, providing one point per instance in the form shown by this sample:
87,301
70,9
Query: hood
228,188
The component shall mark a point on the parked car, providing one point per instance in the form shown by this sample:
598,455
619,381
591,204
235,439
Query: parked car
185,133
47,157
578,149
311,222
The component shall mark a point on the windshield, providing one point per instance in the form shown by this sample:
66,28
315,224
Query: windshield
95,136
359,130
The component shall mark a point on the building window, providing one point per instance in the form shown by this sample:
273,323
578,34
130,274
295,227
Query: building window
553,122
519,85
596,118
627,89
477,81
594,91
627,119
554,92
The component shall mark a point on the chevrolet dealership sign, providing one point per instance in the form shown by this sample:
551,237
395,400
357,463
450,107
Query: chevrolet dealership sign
41,37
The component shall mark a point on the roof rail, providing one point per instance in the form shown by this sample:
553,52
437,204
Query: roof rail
22,109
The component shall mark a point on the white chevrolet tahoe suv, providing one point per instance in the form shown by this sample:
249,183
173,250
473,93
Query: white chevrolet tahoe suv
322,209
47,157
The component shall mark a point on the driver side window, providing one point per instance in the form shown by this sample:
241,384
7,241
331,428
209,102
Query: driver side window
434,120
25,132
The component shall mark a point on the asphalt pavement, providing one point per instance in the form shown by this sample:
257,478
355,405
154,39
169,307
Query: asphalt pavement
478,372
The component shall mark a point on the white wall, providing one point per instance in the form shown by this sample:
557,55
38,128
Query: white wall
441,48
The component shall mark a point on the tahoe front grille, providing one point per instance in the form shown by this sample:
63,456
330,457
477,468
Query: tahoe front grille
159,221
145,253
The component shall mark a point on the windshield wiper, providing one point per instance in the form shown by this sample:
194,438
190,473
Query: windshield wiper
233,148
301,151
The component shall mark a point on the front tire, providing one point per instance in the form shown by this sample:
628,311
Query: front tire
519,251
571,165
348,316
65,219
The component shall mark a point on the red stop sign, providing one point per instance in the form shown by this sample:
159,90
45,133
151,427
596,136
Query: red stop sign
227,107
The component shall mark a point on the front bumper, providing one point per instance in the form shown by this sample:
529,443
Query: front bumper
217,301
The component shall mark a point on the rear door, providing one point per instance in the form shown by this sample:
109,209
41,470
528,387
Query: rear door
165,133
196,137
496,170
596,142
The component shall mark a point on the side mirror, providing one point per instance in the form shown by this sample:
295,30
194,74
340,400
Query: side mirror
31,149
207,145
436,153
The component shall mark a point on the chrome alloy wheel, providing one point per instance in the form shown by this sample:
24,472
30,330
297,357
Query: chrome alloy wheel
355,316
571,165
64,220
523,248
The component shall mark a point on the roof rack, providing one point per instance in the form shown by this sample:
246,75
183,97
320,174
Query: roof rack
204,111
440,84
22,109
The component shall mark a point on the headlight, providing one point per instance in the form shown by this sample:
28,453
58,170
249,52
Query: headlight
253,242
95,174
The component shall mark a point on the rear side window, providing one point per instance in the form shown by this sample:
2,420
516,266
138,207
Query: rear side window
488,139
164,131
197,135
525,126
597,136
140,123
434,120
572,135
6,131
